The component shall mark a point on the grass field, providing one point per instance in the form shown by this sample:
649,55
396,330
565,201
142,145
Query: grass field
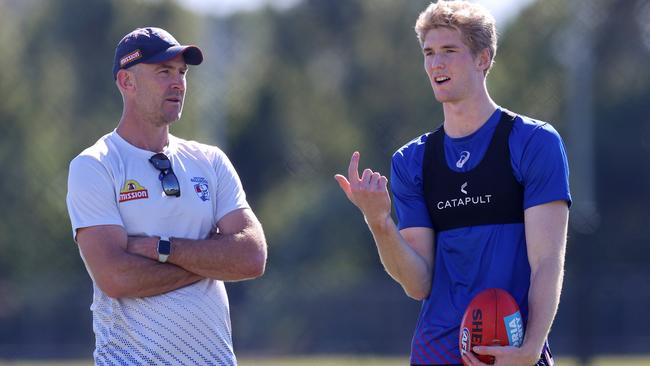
346,361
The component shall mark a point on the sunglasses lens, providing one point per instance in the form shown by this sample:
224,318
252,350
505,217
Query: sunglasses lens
170,184
167,177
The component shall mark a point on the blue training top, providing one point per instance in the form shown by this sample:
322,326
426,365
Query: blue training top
470,259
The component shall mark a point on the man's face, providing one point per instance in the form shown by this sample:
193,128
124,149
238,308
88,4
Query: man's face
453,71
161,89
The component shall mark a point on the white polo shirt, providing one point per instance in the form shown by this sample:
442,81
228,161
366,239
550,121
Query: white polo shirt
113,183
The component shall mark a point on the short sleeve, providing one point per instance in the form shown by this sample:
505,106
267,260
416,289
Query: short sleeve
406,187
230,192
91,197
544,168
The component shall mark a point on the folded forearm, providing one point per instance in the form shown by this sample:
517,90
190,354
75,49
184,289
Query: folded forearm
226,257
137,276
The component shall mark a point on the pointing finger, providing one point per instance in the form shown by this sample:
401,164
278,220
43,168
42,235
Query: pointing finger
353,169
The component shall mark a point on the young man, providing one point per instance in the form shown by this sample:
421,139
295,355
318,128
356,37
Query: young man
160,222
482,201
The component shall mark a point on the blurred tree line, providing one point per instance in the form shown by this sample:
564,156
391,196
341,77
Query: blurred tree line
289,95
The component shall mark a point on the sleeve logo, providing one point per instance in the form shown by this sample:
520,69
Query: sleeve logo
132,190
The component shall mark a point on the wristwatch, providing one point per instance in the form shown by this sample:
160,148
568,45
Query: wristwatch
164,249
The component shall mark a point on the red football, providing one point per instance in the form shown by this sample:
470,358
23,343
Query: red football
492,318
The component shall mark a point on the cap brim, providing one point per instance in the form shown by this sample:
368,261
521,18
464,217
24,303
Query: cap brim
192,55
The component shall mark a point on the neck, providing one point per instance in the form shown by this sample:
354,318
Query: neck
143,133
464,117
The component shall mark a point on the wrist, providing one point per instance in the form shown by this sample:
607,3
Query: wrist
531,350
379,224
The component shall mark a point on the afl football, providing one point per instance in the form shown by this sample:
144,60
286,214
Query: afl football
492,318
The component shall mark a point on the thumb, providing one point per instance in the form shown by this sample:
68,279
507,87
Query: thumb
487,350
344,184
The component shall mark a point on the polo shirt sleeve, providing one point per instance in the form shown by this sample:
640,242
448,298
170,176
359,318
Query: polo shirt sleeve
91,196
544,168
230,193
406,187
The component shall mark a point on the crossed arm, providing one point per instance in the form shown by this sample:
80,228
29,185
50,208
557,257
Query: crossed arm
127,266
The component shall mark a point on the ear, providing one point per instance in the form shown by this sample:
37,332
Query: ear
484,59
125,80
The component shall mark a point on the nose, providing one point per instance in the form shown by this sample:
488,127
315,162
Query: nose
179,82
435,62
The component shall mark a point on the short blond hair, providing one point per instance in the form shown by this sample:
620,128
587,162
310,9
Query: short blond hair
475,23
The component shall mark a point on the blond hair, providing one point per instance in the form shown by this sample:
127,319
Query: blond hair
475,23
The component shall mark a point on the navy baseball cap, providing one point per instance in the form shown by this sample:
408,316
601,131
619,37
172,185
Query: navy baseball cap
151,45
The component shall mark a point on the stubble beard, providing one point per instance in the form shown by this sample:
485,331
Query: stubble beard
163,118
167,120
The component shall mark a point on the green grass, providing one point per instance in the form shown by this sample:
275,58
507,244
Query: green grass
347,361
324,361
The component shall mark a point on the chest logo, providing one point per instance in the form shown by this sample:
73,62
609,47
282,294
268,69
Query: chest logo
201,188
466,200
132,190
464,156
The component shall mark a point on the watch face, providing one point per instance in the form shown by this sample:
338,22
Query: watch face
164,247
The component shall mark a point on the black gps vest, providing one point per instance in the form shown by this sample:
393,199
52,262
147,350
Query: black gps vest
486,195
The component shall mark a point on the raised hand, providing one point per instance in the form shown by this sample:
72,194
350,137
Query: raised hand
368,192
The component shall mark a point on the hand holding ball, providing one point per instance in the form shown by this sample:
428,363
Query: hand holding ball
492,318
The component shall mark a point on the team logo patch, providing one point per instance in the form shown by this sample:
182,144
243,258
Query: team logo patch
201,188
130,57
132,190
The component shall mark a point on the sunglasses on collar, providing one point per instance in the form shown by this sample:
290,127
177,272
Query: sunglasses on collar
168,179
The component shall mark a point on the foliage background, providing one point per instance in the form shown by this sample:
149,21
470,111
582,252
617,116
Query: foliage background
289,95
